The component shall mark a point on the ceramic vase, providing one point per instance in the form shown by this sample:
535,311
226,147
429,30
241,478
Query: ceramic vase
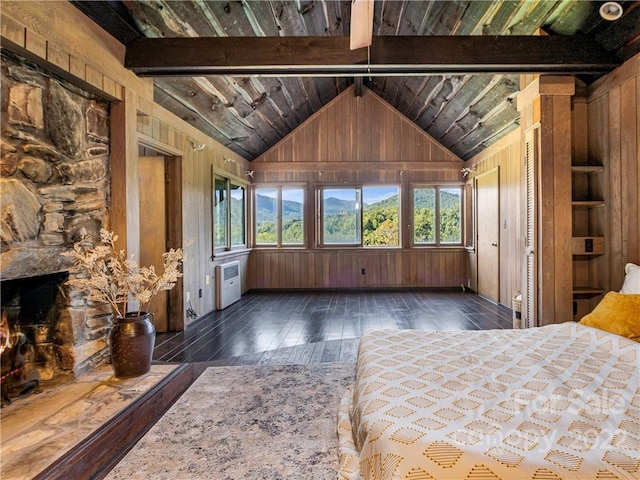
132,340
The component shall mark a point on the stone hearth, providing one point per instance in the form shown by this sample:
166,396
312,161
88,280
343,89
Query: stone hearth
54,182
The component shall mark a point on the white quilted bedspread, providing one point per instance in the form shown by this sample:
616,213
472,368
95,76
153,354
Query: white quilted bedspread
555,402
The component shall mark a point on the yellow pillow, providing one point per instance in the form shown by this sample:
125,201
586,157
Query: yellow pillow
617,313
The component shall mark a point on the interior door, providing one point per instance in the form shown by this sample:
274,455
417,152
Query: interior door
153,235
488,228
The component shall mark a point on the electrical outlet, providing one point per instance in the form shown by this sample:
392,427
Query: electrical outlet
588,245
199,293
362,271
188,296
206,280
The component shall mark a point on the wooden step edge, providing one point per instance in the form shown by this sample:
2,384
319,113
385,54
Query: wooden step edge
96,455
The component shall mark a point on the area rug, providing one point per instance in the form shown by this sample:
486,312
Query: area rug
247,423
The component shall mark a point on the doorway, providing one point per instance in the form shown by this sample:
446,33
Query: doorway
160,228
488,228
153,227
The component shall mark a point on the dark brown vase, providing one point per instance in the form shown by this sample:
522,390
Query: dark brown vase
132,340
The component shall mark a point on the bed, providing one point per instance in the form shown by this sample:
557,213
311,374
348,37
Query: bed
554,402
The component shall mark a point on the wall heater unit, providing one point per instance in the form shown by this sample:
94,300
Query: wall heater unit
228,285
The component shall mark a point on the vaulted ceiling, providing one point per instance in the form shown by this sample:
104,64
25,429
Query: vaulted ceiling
466,112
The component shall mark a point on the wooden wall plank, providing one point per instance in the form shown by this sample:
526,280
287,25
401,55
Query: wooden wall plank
504,155
368,130
13,30
629,159
562,139
340,268
58,56
615,191
42,26
613,106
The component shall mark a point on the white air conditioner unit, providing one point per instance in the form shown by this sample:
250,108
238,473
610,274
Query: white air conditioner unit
228,285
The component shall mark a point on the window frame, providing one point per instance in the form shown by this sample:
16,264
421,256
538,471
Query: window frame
359,188
228,214
437,187
231,184
279,243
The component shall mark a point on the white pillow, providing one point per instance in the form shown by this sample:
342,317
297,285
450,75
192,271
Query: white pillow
632,279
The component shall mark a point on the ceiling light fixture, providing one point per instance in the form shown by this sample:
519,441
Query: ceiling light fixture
611,11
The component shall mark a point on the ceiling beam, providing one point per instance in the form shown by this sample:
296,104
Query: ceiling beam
330,56
111,15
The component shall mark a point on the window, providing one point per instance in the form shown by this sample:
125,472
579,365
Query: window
380,215
367,216
238,210
437,216
229,215
340,214
279,216
220,213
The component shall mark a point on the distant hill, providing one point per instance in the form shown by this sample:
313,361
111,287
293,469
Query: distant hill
334,205
265,206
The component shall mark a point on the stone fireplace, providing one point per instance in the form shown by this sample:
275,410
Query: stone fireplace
54,182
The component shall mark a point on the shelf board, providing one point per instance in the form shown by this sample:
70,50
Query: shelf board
588,203
587,168
578,246
591,291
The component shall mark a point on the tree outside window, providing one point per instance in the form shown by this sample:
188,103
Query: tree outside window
238,209
220,213
437,216
229,215
367,216
380,216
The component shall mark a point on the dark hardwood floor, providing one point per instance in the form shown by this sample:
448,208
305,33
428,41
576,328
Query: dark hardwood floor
265,328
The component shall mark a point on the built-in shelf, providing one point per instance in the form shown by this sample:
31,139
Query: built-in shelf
588,291
587,168
588,203
588,242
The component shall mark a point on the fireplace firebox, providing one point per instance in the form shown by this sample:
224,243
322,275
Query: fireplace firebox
33,337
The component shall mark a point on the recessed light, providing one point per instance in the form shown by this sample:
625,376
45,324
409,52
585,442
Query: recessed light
611,11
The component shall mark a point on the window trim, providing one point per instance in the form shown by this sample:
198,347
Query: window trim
229,247
437,186
234,183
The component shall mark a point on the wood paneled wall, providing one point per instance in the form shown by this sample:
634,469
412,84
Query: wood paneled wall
505,155
88,57
606,131
357,129
161,131
357,140
613,104
342,268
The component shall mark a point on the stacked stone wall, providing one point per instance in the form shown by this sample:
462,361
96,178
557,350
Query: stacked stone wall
54,182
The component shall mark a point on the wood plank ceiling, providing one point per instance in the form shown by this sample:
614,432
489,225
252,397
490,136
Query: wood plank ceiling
249,114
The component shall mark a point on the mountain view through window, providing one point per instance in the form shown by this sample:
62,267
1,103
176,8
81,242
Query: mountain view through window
380,217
